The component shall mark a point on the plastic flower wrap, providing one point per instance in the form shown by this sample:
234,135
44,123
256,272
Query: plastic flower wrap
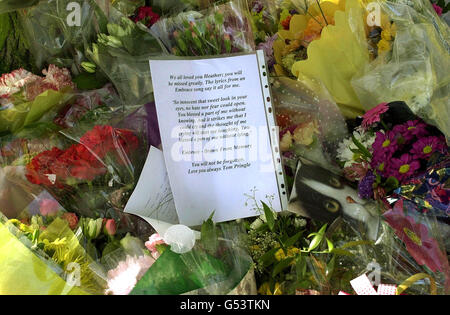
39,258
57,30
310,123
122,52
319,40
223,29
87,174
25,98
409,252
216,263
72,251
416,70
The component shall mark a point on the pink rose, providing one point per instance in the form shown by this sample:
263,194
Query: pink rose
49,207
154,240
110,227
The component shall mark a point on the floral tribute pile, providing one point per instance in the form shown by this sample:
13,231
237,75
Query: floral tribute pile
360,96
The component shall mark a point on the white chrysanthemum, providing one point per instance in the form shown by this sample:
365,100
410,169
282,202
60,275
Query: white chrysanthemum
344,151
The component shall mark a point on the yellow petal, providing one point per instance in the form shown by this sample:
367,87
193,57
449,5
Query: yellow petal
338,56
329,7
284,35
298,23
278,48
279,70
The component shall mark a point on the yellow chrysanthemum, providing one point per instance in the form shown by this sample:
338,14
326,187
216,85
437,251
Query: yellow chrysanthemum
280,255
383,46
303,29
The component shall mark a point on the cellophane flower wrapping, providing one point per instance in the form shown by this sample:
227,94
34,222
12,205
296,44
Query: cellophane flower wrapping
217,264
57,31
311,124
94,168
44,259
335,36
410,244
41,134
26,99
414,69
221,29
122,51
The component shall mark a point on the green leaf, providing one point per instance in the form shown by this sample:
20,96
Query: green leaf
315,242
269,216
89,81
391,183
362,148
282,265
300,266
269,257
209,236
330,245
330,268
292,240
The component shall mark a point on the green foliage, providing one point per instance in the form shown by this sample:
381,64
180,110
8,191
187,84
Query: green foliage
14,53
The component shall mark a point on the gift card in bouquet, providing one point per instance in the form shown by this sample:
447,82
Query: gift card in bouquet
218,134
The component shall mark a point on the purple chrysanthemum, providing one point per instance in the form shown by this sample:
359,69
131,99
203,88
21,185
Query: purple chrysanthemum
403,168
425,147
385,143
413,128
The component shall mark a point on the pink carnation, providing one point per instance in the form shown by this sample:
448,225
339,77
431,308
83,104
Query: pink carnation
438,9
11,83
55,79
71,219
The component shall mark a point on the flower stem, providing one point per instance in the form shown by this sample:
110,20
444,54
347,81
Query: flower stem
384,124
318,3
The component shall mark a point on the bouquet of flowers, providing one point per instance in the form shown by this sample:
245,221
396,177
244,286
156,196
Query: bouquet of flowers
390,147
122,52
86,175
222,29
213,261
57,31
69,250
26,98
